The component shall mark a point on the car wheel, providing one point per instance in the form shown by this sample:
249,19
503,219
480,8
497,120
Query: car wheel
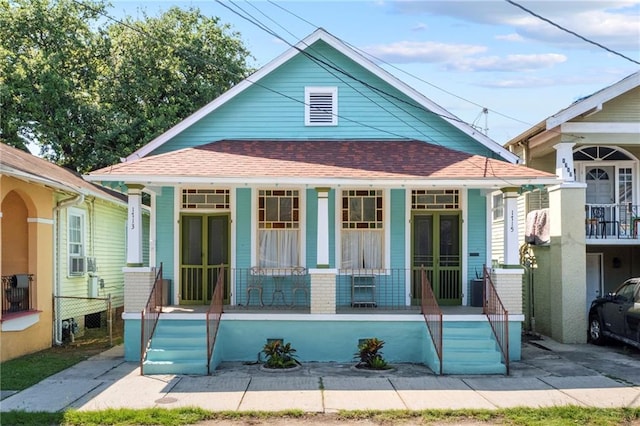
595,330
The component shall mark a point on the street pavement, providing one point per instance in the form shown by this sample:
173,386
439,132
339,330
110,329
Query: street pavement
549,374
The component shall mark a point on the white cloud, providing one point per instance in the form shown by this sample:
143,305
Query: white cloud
421,26
612,23
510,37
530,81
427,51
509,63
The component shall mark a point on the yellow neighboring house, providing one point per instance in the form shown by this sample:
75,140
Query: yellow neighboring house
53,229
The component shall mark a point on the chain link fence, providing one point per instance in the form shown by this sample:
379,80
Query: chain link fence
78,318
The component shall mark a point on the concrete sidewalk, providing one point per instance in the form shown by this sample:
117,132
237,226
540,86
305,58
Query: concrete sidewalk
549,374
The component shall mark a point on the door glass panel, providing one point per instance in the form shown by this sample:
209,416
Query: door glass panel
191,240
423,241
217,240
449,241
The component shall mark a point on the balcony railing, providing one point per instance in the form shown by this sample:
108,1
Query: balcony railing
18,293
612,221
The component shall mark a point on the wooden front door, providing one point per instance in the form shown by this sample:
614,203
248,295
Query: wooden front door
436,246
204,249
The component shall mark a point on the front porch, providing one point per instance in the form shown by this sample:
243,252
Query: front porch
282,290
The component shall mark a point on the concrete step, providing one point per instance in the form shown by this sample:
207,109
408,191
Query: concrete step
186,366
177,347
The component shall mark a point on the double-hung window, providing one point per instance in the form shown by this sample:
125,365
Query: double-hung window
76,241
362,229
497,209
278,228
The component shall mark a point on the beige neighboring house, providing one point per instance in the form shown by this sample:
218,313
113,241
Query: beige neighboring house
594,146
60,236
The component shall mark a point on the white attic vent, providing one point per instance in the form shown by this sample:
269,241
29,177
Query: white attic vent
321,106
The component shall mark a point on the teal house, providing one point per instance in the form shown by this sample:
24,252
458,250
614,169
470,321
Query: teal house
321,201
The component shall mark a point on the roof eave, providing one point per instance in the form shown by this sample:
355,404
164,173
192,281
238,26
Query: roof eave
328,181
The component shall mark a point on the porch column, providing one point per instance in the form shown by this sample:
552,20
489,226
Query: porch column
567,293
564,161
323,291
511,250
134,225
322,260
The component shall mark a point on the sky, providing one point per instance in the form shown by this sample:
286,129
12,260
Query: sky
466,56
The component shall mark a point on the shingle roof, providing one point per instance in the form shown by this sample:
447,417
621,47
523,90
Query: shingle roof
23,165
371,159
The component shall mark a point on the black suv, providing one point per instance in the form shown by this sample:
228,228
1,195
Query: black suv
617,315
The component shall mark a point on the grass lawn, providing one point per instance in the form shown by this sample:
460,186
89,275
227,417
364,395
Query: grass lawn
570,415
20,373
23,372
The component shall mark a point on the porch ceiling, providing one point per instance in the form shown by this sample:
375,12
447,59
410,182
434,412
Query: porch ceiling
320,159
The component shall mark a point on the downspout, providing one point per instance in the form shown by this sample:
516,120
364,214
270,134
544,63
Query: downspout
69,202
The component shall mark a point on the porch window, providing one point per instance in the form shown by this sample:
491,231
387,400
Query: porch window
278,228
76,242
435,199
201,198
497,207
625,185
362,229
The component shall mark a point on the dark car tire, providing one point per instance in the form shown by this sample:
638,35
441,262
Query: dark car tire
595,330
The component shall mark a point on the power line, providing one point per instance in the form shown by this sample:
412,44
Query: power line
375,58
571,32
314,59
328,66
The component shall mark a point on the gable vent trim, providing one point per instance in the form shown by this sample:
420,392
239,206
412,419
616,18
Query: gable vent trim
321,106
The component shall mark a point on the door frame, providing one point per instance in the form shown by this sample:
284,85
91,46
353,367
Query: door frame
599,259
204,256
436,214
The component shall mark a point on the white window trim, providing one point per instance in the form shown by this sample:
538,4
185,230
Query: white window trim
302,240
582,168
334,105
74,212
386,225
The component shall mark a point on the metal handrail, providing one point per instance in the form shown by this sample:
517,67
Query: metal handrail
497,315
150,316
214,313
432,315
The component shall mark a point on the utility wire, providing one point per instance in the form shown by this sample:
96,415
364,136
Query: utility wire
268,30
511,2
328,66
380,60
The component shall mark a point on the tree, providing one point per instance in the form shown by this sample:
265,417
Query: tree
49,65
163,69
89,94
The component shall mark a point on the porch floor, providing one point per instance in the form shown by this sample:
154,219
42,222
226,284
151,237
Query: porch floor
285,310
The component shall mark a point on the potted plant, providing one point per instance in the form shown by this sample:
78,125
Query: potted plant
279,355
370,355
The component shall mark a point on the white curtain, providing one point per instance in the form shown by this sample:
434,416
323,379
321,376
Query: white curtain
278,248
362,249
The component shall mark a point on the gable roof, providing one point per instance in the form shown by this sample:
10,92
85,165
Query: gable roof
22,165
583,106
321,34
321,162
